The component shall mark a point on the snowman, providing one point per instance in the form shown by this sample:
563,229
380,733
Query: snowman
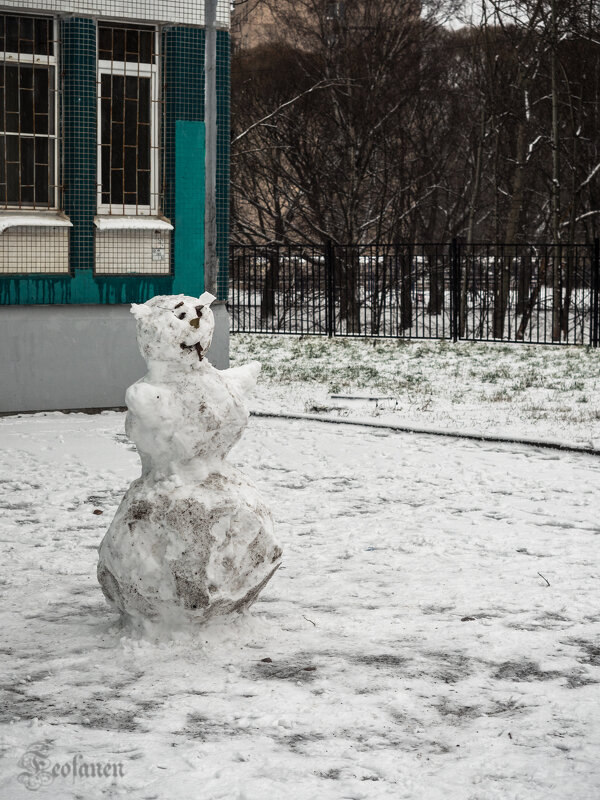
191,538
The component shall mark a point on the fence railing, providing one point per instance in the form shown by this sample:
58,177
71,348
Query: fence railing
538,293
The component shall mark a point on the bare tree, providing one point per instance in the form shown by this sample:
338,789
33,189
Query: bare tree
367,120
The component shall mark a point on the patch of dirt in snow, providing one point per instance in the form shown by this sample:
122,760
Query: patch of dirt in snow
590,651
524,670
387,661
207,729
298,668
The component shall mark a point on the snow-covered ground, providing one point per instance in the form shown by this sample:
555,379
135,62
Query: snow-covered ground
534,391
434,631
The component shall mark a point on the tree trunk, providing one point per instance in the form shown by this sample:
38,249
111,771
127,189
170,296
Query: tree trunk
349,302
556,277
503,267
267,302
435,305
524,282
436,289
406,309
380,292
271,284
530,305
566,305
464,288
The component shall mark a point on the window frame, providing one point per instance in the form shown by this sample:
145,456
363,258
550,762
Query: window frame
135,70
52,62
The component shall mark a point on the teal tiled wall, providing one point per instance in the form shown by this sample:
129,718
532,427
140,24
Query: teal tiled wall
183,83
78,70
223,140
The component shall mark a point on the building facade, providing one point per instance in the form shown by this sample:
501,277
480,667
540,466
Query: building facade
102,165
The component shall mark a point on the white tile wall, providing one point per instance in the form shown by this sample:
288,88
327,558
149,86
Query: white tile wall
27,249
182,12
127,252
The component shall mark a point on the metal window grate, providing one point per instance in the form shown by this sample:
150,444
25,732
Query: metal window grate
29,250
129,115
29,174
132,252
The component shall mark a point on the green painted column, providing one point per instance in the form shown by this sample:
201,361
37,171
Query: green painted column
189,207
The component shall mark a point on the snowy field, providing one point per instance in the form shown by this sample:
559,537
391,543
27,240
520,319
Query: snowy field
533,391
434,631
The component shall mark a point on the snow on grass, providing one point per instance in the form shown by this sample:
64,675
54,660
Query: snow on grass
433,633
516,390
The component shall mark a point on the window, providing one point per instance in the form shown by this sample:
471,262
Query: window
28,113
128,119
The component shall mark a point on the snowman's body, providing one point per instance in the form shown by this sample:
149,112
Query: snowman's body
191,537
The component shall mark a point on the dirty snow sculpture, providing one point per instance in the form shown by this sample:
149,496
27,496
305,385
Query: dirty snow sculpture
191,538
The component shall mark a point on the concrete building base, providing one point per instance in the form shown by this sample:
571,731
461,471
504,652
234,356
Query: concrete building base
60,357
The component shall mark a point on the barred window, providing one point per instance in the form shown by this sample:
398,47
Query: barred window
28,112
128,119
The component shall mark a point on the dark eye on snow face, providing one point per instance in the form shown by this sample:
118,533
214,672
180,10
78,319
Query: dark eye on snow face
199,310
181,316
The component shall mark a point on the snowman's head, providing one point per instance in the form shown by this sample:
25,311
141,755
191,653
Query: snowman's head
174,327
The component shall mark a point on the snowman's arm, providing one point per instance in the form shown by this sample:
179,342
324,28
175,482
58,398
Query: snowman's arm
243,378
148,403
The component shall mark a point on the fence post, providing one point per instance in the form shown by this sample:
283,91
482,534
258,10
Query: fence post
330,284
454,289
595,294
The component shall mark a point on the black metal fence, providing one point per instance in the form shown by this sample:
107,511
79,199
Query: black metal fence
538,293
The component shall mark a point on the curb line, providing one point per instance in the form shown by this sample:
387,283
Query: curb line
477,437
